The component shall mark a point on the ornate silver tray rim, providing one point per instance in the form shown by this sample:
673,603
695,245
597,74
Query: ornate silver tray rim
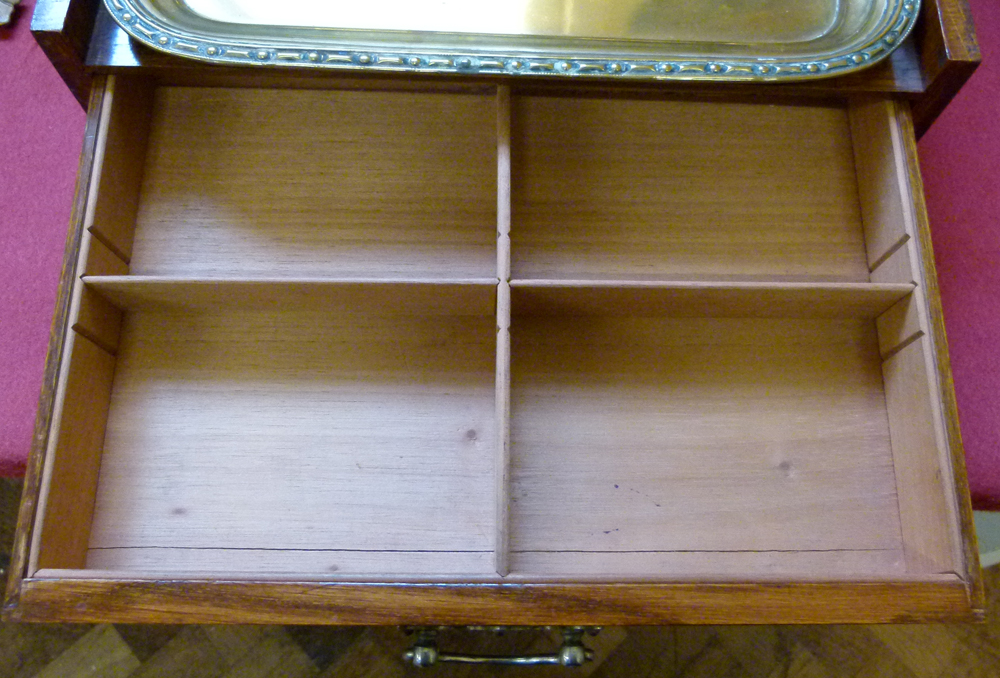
144,26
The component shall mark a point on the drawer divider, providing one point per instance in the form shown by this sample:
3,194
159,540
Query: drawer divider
502,547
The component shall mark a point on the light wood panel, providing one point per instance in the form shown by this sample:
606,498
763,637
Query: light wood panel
886,205
305,183
666,189
951,458
861,565
898,267
307,563
100,260
24,550
705,299
916,441
900,325
69,486
503,332
634,434
118,163
96,318
301,430
343,297
99,321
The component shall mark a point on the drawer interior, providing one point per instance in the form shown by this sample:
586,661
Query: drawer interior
623,190
369,431
313,184
414,335
650,444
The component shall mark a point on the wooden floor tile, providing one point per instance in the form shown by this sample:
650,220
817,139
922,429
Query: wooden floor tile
636,652
367,657
101,653
189,652
803,664
146,639
275,655
26,650
925,650
714,661
234,642
324,644
759,648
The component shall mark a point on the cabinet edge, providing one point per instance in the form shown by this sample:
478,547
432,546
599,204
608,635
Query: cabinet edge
221,602
971,574
53,359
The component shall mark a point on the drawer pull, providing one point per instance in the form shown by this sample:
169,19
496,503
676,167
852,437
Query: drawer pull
572,652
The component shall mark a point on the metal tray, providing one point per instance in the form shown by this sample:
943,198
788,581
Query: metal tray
646,39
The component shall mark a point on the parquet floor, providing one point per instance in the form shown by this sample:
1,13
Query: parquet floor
59,651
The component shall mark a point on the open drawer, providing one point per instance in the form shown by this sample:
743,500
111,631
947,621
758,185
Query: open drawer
467,355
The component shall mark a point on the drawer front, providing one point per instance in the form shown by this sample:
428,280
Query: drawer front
475,356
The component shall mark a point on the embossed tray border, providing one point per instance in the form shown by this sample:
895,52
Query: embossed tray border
140,24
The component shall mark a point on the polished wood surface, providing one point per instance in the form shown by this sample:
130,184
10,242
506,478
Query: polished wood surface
113,598
64,30
948,58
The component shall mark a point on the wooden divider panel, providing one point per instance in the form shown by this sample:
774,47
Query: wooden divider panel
503,333
632,189
311,183
118,163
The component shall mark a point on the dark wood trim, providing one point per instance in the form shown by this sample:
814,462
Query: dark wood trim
949,57
54,357
973,575
206,602
63,29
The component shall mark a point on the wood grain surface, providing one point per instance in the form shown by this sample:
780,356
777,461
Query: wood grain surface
269,183
697,435
631,189
210,602
299,430
266,428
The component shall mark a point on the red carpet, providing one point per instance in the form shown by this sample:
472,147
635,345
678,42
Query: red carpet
960,158
42,127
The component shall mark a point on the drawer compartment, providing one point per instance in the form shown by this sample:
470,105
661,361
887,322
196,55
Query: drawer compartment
311,437
483,356
303,184
633,189
645,446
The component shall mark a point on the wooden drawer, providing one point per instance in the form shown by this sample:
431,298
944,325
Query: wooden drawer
461,355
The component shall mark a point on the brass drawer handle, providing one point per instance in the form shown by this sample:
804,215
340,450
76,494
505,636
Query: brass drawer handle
572,652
